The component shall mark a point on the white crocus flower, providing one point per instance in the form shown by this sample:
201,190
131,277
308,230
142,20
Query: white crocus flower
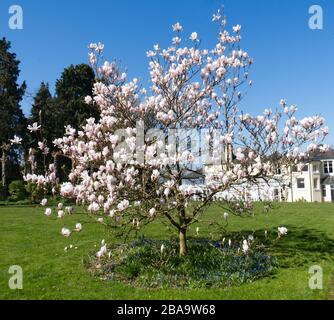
61,214
69,210
102,252
48,212
197,231
282,231
152,212
245,247
66,232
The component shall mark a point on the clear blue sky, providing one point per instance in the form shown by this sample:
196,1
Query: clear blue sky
291,61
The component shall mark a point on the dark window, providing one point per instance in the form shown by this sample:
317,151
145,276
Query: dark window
301,183
328,167
324,192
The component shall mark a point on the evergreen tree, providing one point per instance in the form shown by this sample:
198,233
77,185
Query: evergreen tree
12,120
43,112
68,107
75,84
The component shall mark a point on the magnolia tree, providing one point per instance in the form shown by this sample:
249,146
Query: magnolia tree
134,164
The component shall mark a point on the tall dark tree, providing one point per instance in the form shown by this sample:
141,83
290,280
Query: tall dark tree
12,120
68,107
43,112
75,84
43,109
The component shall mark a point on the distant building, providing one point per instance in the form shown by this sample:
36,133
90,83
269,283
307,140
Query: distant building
314,184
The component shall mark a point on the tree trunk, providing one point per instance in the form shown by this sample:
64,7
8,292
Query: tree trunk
183,242
3,168
3,172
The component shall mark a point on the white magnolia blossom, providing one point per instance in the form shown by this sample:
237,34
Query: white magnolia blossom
44,202
194,37
16,140
67,189
177,27
237,28
78,227
34,128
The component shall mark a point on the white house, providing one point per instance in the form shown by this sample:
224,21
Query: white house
314,184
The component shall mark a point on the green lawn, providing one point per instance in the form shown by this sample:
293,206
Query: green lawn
28,239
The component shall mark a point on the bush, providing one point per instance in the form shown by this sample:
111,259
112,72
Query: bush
207,264
17,191
35,192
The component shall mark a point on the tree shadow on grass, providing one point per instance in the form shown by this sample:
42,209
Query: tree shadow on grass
300,247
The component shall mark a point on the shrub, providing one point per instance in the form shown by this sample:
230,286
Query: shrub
207,264
17,191
36,193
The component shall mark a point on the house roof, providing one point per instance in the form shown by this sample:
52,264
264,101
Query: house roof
193,175
317,156
328,180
